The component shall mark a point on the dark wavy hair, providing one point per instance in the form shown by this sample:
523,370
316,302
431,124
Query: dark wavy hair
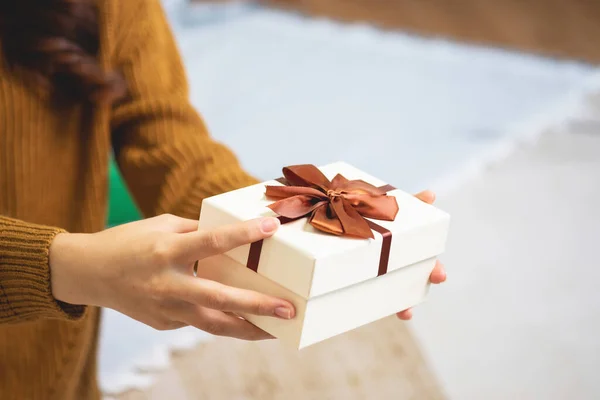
57,42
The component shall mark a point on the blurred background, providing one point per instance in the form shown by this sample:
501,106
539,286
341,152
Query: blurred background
493,105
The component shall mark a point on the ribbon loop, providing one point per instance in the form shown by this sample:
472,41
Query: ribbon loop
337,207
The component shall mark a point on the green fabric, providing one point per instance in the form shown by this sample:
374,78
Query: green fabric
121,208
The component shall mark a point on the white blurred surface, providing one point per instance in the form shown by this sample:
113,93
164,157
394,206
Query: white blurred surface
280,89
519,317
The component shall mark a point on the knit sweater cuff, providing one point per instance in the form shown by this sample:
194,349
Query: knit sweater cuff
25,290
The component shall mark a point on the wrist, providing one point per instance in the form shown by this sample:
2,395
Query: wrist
70,275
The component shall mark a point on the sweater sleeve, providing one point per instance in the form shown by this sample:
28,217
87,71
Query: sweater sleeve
162,146
25,291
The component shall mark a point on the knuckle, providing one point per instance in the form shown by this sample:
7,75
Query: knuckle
250,232
214,328
161,252
170,221
214,240
168,218
159,290
216,300
263,308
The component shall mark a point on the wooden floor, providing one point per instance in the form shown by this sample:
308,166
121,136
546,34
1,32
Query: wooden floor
557,28
379,361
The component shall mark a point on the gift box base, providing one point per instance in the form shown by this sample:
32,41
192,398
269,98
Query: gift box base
331,314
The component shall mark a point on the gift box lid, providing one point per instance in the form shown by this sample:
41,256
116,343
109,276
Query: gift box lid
312,263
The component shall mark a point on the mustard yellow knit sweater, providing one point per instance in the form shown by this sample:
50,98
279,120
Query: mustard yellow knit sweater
54,164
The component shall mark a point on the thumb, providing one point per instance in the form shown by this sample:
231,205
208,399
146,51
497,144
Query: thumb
195,246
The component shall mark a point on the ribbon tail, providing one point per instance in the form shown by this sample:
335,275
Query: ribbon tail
322,220
352,222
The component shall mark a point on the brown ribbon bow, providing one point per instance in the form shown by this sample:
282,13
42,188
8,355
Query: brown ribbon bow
338,207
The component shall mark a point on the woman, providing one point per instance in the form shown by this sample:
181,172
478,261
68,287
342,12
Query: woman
79,79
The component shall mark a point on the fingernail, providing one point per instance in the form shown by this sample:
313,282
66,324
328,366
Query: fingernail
283,312
269,225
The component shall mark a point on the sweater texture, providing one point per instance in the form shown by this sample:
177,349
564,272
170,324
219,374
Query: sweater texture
54,164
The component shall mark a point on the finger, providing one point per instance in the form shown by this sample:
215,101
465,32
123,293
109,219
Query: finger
426,196
438,275
220,324
198,245
220,297
172,223
405,315
156,322
184,225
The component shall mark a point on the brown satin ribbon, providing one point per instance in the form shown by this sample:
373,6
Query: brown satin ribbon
386,246
256,247
339,206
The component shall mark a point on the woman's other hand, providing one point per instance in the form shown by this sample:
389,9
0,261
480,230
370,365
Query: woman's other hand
144,270
438,275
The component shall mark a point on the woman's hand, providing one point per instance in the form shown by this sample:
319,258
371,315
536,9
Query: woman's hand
144,269
438,275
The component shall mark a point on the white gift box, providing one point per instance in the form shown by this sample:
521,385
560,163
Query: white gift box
332,280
